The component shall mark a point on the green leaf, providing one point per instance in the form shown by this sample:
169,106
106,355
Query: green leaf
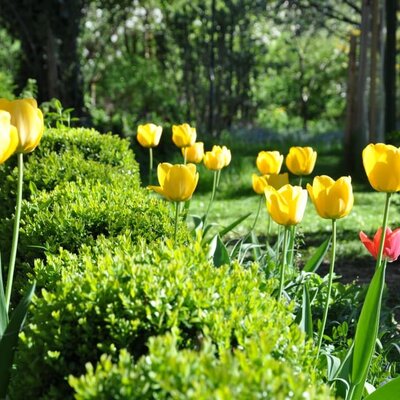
9,340
256,250
305,316
367,329
233,225
333,364
390,390
315,261
3,307
218,252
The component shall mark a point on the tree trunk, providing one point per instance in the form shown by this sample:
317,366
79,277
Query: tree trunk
390,66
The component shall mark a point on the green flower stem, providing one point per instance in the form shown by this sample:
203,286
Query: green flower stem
291,244
184,155
283,264
177,204
330,279
300,180
151,165
17,219
258,213
384,226
218,177
214,189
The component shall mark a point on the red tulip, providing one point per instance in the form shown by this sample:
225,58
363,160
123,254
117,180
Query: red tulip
391,248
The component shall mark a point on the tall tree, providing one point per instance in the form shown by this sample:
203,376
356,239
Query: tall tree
48,31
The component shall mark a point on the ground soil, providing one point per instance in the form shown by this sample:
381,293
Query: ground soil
361,272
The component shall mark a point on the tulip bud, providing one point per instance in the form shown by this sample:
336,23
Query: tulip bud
301,160
177,182
332,199
28,119
269,162
382,166
286,206
183,135
194,153
149,135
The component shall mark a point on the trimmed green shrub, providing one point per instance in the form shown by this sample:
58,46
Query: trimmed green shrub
65,155
169,372
117,295
76,213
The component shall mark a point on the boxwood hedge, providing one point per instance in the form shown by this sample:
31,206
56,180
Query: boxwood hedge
117,294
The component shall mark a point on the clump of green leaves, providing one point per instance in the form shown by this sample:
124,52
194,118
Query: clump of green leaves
116,295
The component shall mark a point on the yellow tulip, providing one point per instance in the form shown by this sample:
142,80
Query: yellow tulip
218,158
286,206
301,160
28,119
260,183
194,153
149,135
269,162
177,182
382,166
278,180
8,137
332,199
183,135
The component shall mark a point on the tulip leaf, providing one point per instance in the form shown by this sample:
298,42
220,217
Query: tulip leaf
3,307
218,252
9,340
233,225
367,329
315,261
333,364
342,375
304,317
390,390
256,250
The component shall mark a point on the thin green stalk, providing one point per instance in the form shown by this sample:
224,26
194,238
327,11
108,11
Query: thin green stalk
177,203
151,165
330,279
184,155
218,177
283,264
291,245
214,189
258,213
17,219
300,180
384,226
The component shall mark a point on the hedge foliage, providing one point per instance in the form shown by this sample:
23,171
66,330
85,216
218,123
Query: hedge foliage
169,372
117,294
66,155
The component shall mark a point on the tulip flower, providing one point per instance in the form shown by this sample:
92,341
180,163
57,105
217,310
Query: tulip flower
218,158
332,199
28,119
8,137
177,182
149,135
183,135
301,160
260,183
286,205
382,166
391,247
194,153
269,162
